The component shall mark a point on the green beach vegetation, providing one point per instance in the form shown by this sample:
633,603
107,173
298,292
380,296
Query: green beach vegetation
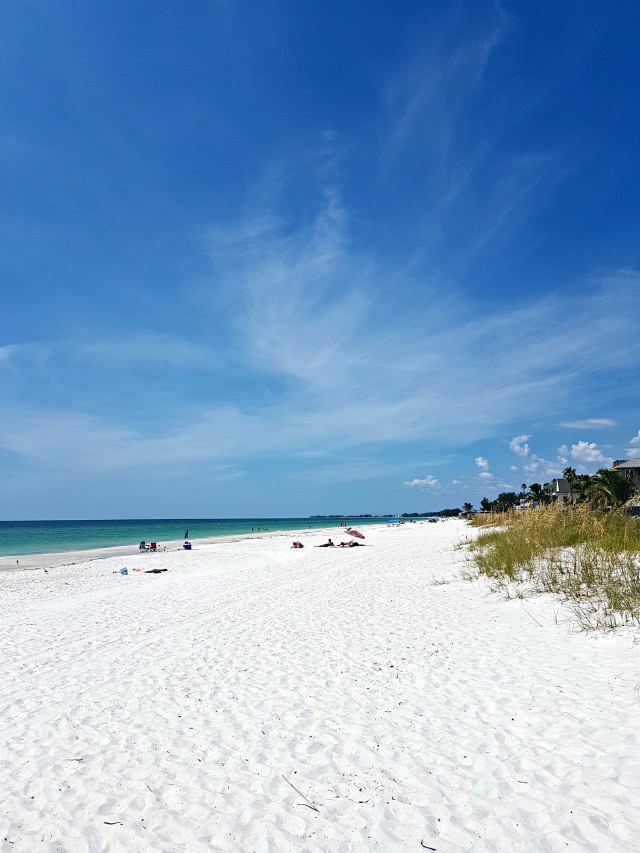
587,556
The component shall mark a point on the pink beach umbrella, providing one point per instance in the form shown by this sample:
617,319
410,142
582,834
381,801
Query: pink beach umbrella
354,533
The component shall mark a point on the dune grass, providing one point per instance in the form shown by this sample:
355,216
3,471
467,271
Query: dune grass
589,558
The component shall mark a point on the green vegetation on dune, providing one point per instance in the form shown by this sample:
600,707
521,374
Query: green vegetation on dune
588,557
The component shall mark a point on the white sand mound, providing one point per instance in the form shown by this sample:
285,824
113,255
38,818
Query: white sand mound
161,712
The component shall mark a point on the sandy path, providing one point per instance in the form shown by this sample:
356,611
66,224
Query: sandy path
158,713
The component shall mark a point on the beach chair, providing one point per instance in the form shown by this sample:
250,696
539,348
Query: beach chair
143,547
153,547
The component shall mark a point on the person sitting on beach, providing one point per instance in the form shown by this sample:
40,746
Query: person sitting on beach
297,545
328,544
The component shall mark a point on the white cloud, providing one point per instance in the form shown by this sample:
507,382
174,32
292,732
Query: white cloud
590,423
455,482
482,463
486,475
535,465
513,467
429,482
534,462
589,454
517,445
634,445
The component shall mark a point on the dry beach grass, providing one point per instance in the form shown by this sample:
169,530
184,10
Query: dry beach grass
591,559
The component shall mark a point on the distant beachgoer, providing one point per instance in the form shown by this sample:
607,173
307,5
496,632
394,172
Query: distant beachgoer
328,544
297,545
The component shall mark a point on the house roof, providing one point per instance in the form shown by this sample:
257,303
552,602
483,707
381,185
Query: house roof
630,463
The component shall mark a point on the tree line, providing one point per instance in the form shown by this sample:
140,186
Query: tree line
604,488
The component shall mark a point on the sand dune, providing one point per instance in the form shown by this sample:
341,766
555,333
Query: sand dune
161,712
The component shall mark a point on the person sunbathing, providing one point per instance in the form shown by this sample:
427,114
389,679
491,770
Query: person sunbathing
328,544
297,545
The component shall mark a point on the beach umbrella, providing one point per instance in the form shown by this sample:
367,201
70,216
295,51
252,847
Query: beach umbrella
354,533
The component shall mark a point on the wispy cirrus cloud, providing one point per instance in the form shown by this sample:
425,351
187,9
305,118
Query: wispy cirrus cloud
145,347
355,369
435,81
590,423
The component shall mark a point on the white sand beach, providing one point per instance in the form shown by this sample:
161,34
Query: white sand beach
161,712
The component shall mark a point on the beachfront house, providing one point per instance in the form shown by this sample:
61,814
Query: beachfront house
559,490
629,469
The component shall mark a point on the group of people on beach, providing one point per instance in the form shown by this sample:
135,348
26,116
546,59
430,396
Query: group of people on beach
330,544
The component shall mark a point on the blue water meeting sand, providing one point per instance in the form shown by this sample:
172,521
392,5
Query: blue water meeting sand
44,537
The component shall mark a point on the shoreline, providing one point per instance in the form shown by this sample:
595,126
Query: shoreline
58,559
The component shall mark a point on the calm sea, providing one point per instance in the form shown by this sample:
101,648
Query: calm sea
43,537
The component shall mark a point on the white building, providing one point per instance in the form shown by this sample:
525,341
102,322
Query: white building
559,489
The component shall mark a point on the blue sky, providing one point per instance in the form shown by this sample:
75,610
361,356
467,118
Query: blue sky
283,259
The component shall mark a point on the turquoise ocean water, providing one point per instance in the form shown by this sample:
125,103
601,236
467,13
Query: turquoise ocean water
43,537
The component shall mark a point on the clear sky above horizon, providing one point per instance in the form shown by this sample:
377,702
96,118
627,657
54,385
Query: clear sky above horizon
281,259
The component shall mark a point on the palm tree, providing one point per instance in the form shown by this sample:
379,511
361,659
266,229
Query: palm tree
524,490
584,483
609,488
467,507
571,477
536,491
